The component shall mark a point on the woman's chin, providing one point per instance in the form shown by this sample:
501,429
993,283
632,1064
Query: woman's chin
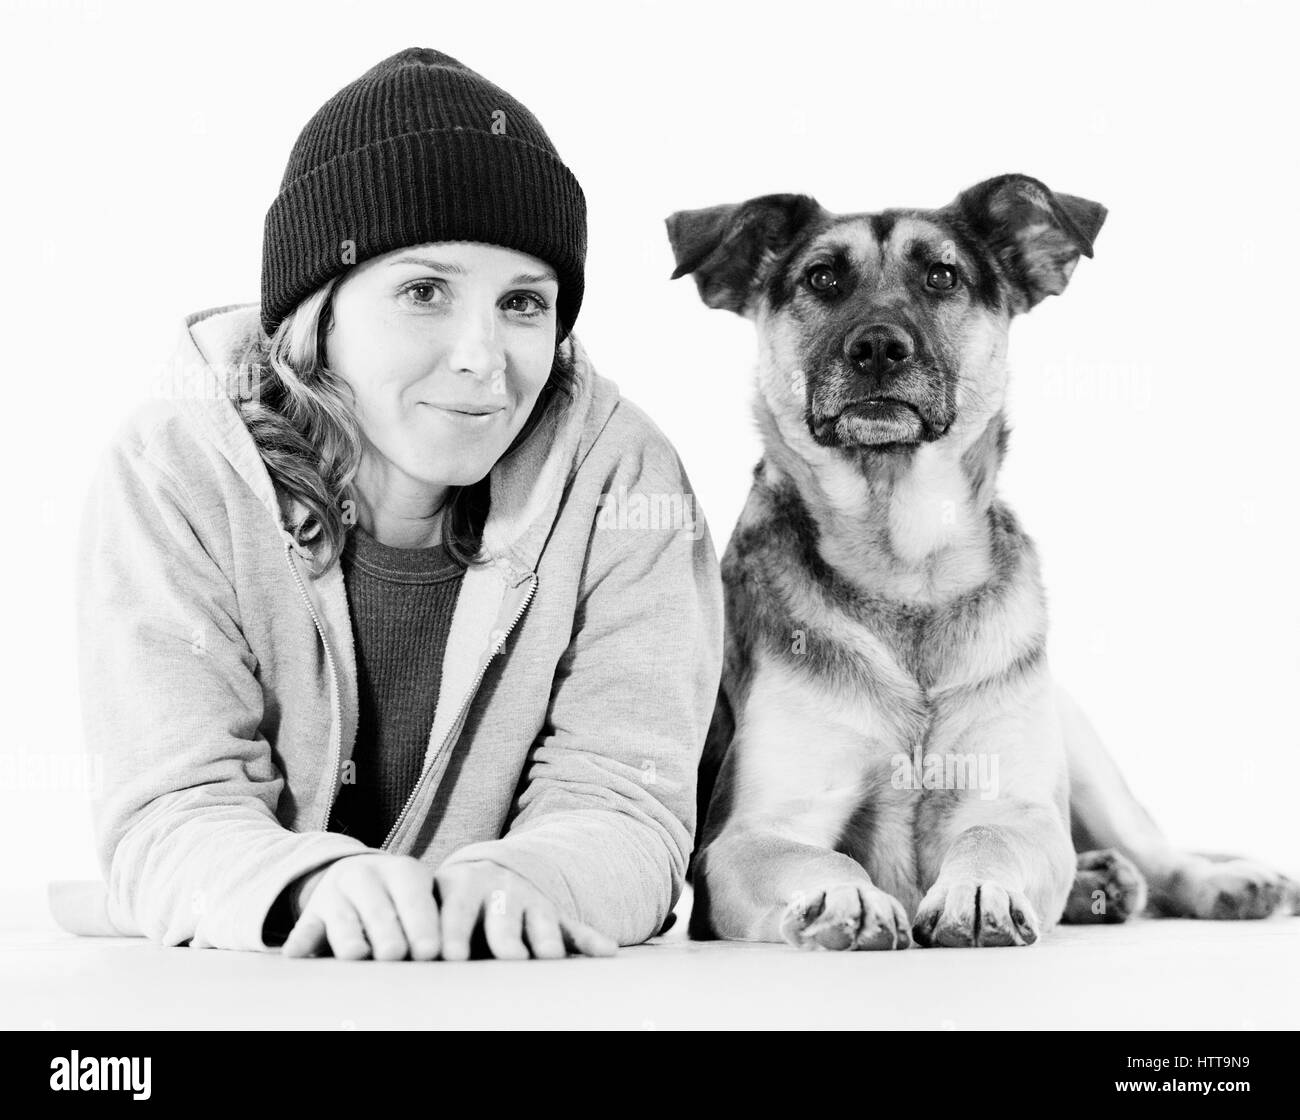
451,471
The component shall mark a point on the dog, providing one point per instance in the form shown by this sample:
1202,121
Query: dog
890,761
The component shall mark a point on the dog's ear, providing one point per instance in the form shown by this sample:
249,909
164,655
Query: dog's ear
1036,234
729,248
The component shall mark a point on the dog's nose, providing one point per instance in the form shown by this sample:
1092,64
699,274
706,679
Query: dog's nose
878,349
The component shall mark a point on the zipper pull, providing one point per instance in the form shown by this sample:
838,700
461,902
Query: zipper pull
292,541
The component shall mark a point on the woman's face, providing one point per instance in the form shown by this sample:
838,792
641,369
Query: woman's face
446,347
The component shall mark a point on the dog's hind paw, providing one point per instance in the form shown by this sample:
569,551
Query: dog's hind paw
1235,889
967,914
848,916
1108,887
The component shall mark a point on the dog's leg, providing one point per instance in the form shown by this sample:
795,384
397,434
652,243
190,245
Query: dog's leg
768,869
1000,862
756,884
1105,814
1005,879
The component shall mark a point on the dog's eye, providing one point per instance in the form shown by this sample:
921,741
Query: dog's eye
941,276
821,278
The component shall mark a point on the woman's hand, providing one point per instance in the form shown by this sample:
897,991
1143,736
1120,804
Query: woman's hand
516,916
360,905
383,905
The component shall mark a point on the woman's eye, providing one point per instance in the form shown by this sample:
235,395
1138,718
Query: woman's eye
821,278
941,276
424,291
526,304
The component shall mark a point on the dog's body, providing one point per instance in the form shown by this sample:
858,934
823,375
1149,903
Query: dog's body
890,758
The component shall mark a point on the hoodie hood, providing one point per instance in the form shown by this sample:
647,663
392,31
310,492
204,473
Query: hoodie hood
525,486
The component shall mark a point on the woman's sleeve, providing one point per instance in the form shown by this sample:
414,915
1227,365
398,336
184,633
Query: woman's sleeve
606,821
184,818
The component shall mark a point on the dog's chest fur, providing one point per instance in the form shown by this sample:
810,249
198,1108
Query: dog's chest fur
846,654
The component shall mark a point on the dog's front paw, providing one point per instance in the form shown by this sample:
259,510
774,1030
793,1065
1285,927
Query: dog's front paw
1237,888
848,916
1108,887
969,913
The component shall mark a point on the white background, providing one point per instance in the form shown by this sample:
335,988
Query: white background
1154,403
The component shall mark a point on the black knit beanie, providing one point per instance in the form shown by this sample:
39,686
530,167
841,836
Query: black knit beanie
420,148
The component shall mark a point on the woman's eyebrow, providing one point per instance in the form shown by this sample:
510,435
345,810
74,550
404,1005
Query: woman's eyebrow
449,269
535,277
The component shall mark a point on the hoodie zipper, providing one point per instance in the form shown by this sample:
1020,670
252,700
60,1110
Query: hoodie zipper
455,728
336,738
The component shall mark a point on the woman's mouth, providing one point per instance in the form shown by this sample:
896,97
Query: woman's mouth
473,414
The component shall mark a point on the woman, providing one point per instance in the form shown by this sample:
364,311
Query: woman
372,667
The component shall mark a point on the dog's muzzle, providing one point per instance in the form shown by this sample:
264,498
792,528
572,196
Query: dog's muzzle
879,393
874,420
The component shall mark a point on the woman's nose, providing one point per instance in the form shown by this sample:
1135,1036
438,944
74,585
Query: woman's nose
476,347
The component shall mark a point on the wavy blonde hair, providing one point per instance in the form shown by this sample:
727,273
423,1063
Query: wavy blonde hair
301,415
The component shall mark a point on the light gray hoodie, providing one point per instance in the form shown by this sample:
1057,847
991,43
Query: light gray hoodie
219,686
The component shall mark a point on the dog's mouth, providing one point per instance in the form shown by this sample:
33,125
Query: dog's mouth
872,421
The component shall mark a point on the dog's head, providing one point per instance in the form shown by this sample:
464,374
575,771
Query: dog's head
879,332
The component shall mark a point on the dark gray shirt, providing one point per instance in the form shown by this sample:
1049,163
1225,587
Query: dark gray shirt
401,602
